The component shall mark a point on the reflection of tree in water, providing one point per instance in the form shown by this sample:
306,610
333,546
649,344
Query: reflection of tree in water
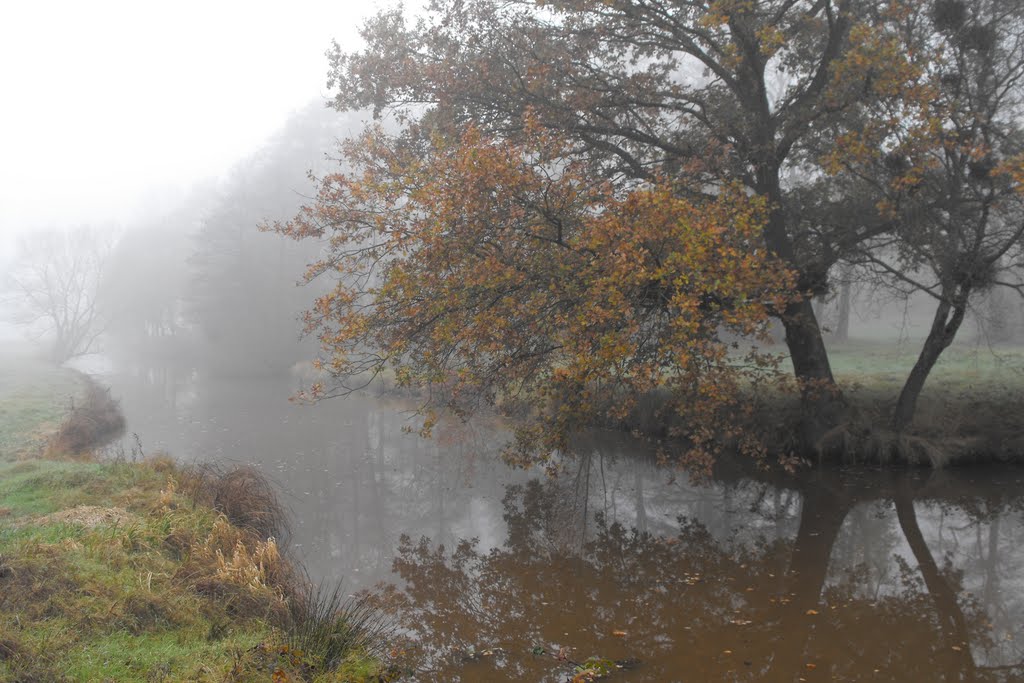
695,607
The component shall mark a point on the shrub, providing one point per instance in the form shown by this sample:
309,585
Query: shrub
93,423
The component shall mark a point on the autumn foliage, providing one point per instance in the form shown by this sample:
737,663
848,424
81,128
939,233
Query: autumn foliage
592,200
487,271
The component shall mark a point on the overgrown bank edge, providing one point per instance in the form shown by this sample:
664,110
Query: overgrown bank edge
150,571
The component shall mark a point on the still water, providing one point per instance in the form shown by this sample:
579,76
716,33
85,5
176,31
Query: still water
507,575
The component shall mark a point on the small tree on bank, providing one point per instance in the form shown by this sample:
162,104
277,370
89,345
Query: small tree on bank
705,94
947,171
484,271
54,286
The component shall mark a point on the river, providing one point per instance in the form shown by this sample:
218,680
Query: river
509,575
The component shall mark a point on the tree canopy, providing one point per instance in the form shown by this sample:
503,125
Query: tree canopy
485,269
589,201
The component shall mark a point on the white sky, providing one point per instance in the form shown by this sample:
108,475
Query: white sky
107,105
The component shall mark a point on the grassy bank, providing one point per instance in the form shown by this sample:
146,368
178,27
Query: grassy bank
34,398
149,571
969,412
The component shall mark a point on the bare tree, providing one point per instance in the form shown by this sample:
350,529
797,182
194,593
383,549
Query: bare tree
54,284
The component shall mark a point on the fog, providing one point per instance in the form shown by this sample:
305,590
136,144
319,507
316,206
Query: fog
114,110
122,114
148,151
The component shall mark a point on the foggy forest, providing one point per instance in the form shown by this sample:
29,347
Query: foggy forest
631,340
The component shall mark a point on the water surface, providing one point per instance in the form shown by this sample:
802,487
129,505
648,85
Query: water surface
506,575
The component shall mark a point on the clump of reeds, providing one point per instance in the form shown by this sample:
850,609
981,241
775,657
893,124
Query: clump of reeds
328,626
243,562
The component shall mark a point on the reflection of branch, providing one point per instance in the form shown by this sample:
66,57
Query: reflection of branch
951,616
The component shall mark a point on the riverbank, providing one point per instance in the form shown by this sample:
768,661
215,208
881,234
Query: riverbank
135,568
967,415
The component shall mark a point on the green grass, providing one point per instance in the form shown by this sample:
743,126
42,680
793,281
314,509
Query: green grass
127,657
34,396
886,366
122,601
108,602
114,571
35,487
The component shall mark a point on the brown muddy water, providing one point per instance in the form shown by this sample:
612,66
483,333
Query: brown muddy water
506,575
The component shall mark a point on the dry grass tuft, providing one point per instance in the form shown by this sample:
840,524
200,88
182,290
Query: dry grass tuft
247,573
242,494
88,516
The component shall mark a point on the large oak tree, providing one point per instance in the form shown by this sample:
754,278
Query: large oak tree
587,197
716,92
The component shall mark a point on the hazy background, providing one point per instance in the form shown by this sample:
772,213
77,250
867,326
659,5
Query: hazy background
180,127
113,109
116,112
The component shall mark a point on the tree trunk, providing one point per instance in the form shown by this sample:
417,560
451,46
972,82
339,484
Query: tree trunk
843,323
821,401
948,317
822,404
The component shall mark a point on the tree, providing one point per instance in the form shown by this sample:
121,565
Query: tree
838,119
144,284
711,92
488,270
55,282
947,172
242,289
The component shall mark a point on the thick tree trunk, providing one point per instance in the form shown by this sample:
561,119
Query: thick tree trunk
821,401
948,317
822,404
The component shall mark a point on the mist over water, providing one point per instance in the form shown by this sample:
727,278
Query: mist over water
157,161
737,576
